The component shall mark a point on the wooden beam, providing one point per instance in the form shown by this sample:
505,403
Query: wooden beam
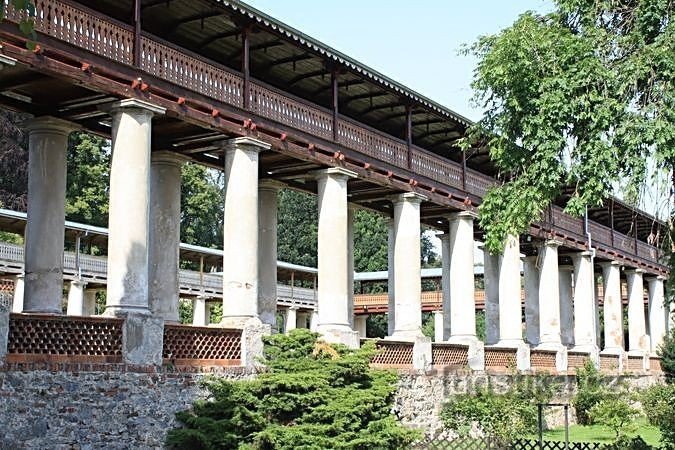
343,84
137,33
364,96
334,102
246,65
304,76
383,106
216,37
287,60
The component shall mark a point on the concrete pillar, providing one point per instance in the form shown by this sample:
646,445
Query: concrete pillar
128,219
612,308
76,298
391,285
333,257
303,319
17,302
165,187
200,311
462,297
510,306
360,325
438,326
565,278
585,310
491,286
314,320
638,341
351,211
90,302
407,281
549,296
657,312
290,319
240,231
47,145
267,251
531,282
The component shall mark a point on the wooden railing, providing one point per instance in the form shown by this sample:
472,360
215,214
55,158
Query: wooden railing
102,35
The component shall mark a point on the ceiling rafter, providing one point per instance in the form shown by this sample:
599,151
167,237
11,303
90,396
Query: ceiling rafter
382,106
364,96
304,76
218,36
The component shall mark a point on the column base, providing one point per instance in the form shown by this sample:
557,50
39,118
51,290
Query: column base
476,350
592,350
522,352
252,345
339,334
405,336
142,339
238,321
616,352
123,311
640,354
422,354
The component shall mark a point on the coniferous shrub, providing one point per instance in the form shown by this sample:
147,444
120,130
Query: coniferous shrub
666,352
312,396
591,390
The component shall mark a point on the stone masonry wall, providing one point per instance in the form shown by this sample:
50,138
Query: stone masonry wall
42,409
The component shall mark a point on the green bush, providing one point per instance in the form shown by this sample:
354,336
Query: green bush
626,443
591,390
312,396
658,404
666,352
615,413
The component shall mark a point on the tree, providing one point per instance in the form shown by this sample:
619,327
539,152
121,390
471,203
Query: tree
583,96
616,413
202,200
312,396
297,228
666,352
13,162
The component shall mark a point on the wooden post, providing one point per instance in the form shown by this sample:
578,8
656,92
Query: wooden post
334,102
245,65
137,33
464,170
611,219
408,133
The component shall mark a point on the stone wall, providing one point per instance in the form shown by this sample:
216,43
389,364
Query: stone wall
85,409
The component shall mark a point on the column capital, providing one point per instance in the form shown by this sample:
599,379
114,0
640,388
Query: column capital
552,243
133,104
49,124
653,278
246,143
462,215
79,283
335,172
269,184
634,271
443,237
566,267
168,157
411,197
293,308
605,264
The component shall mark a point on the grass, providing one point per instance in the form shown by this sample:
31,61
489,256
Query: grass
604,434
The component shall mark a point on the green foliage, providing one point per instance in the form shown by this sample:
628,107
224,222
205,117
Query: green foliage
13,162
591,389
582,96
202,200
297,228
666,352
658,404
377,325
616,413
505,416
312,396
88,179
627,443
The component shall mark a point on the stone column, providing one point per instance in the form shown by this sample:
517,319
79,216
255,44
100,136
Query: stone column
442,329
391,288
47,145
612,309
657,312
407,280
585,310
240,231
303,319
333,257
90,302
200,311
129,207
267,251
351,211
165,187
76,298
531,282
360,325
565,278
290,319
17,303
549,296
314,320
510,306
638,342
491,287
439,326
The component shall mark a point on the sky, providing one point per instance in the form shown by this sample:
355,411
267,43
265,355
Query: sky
415,42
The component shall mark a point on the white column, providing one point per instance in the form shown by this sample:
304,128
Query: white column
638,342
240,231
442,329
76,298
657,312
360,325
549,296
491,287
333,257
351,211
17,303
438,326
391,288
47,145
90,302
565,278
510,304
314,320
290,319
128,219
267,251
407,265
303,319
200,311
585,310
165,187
462,285
531,282
612,308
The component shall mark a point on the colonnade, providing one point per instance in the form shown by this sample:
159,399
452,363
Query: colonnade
560,306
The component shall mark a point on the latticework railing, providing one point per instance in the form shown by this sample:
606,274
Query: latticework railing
487,443
543,360
449,355
500,358
577,360
609,363
187,345
655,364
38,337
393,354
634,363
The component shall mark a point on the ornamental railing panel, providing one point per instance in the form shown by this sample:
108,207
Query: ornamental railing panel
452,355
393,354
372,143
497,358
543,360
184,344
